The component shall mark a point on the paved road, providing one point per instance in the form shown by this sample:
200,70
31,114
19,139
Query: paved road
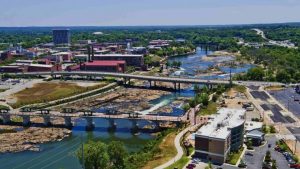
149,78
255,161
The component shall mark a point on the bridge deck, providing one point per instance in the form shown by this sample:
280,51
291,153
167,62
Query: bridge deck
100,115
143,77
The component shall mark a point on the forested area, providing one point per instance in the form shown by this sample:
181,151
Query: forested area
274,64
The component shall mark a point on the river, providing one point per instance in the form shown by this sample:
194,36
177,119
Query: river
62,154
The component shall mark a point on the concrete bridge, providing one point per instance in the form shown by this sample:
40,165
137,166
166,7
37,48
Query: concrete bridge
88,115
175,80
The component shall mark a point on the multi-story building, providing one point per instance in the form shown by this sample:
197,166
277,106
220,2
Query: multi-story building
223,133
61,36
130,59
104,66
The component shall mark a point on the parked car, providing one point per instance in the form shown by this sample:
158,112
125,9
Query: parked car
269,145
297,166
249,154
191,166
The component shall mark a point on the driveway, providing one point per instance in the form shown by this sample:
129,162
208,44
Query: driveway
255,161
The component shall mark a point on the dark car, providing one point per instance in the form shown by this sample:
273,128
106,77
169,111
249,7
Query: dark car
192,165
249,154
269,145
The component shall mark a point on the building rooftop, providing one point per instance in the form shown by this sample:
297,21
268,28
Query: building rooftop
105,63
61,53
255,134
40,65
110,55
252,125
24,61
220,124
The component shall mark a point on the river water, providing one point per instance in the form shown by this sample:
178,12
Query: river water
62,154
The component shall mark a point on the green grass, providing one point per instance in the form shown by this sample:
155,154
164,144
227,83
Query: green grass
241,89
167,151
234,156
209,110
2,90
49,91
180,163
4,107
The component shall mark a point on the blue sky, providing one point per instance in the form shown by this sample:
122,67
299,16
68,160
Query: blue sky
145,12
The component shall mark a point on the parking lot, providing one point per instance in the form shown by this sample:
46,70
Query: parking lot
255,158
295,131
287,98
277,116
260,95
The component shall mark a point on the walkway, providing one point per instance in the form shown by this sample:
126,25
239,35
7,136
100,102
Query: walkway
178,148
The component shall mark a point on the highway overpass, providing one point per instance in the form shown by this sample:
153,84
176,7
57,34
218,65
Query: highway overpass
127,77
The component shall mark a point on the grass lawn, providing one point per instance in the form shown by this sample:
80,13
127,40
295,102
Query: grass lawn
210,109
274,88
3,107
241,89
49,91
2,90
234,156
180,163
168,151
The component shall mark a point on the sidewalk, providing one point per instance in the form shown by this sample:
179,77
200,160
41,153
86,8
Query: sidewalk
178,148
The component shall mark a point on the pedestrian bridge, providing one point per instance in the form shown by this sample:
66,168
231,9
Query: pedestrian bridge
88,115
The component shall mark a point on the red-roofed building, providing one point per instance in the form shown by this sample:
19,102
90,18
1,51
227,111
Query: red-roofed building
104,65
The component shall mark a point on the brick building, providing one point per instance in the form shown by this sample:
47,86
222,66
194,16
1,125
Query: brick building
223,133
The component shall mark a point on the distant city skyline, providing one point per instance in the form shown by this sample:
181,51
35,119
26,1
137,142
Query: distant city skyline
146,12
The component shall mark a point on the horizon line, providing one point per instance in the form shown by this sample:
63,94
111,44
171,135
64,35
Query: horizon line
183,25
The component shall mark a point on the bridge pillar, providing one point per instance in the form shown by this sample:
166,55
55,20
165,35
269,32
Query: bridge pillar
89,123
135,126
26,120
154,83
177,124
156,125
179,86
47,120
112,125
6,118
68,122
150,83
175,88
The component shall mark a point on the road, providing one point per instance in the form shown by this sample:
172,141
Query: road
273,42
148,78
255,161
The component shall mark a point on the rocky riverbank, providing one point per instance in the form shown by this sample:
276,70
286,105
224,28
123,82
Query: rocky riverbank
123,100
16,139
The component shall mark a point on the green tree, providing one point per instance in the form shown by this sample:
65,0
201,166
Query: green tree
95,155
283,76
256,73
117,154
272,129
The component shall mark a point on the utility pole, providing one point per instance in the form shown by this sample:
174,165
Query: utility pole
230,74
82,153
295,146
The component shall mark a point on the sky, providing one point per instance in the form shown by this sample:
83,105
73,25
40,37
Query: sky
146,12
